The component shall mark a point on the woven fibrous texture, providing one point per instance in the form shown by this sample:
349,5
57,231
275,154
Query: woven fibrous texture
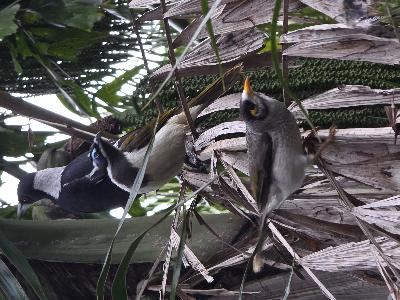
307,77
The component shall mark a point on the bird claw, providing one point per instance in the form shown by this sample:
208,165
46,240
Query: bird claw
21,209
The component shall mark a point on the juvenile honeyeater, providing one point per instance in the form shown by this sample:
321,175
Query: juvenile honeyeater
276,158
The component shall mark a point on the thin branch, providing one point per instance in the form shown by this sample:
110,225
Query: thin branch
182,56
178,82
281,239
145,61
21,107
169,244
12,169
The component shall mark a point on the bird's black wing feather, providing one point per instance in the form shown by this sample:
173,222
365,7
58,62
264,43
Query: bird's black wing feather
86,195
79,167
260,152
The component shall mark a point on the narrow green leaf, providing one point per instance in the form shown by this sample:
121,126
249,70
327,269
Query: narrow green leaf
67,43
65,100
287,289
182,56
21,45
83,14
22,265
392,19
81,98
133,193
121,12
78,101
275,61
108,92
178,261
137,210
14,55
74,13
53,12
9,284
7,24
104,272
210,30
119,285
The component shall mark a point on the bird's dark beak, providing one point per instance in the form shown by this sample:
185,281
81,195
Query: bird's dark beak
97,138
247,90
21,209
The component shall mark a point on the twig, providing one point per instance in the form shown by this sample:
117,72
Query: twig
145,62
183,55
4,203
178,82
145,282
281,239
21,107
169,244
12,169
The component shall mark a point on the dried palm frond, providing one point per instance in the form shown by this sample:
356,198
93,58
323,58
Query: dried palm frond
357,47
348,96
143,4
383,213
351,256
235,16
202,57
342,11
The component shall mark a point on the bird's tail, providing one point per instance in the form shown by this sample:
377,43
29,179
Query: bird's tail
258,262
258,259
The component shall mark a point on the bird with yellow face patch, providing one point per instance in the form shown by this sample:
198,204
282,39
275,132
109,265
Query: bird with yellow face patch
276,159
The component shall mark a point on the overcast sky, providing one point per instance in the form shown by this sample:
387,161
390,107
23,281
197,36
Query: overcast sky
8,190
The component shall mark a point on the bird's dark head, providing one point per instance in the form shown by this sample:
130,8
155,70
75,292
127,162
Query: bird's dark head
97,153
259,110
27,194
252,106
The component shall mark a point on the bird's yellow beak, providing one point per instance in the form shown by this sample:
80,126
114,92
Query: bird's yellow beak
247,88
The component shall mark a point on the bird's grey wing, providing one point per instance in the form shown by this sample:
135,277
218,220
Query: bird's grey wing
260,153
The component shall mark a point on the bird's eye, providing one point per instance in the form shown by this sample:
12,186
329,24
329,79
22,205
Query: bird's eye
253,110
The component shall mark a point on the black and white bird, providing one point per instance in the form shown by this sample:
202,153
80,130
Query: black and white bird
71,188
101,179
276,158
165,161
